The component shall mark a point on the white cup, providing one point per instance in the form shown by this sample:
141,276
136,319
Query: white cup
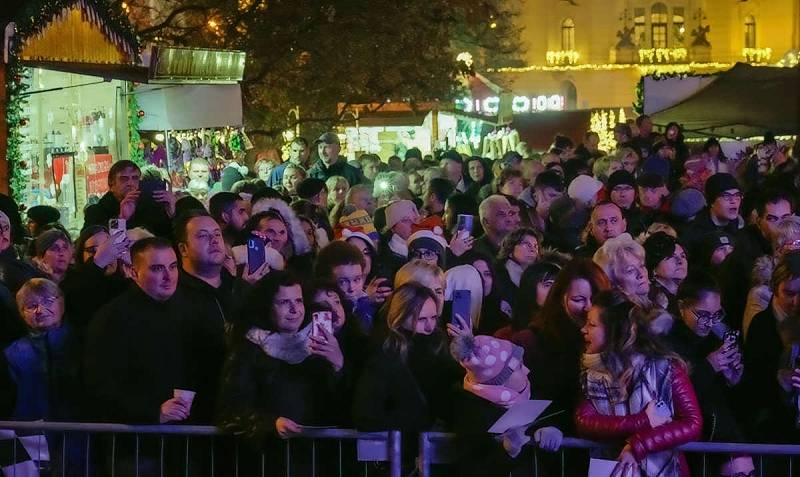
184,395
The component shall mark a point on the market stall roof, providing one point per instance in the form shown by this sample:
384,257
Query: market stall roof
745,101
181,107
80,36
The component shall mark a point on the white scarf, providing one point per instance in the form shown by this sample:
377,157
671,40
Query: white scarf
651,382
289,347
398,245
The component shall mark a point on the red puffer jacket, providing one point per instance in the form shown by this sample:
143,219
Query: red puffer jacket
686,425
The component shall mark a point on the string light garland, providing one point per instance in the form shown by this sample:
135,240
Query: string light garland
662,55
648,69
757,55
30,23
562,57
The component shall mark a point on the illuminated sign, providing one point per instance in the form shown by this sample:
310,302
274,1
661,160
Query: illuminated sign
196,65
519,104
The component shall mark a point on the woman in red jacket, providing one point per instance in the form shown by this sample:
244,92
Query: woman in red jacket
635,392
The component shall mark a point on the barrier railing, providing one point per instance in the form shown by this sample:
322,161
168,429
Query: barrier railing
441,448
89,449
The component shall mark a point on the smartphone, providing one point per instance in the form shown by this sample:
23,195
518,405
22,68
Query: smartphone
256,256
462,306
118,230
321,320
465,222
148,186
731,337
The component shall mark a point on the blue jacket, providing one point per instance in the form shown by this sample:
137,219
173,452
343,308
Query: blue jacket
44,368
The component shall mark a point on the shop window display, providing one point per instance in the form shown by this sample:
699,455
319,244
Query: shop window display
70,139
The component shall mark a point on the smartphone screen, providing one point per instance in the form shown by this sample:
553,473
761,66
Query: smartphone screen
256,256
118,230
321,320
462,306
465,222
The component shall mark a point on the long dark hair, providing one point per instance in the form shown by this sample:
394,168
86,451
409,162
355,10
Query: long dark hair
627,336
85,235
525,306
553,319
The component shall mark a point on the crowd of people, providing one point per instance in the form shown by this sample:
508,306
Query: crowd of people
651,293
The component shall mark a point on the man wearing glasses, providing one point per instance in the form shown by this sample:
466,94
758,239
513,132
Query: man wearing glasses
724,199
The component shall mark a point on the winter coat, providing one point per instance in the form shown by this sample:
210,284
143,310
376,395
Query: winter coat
135,358
86,289
149,214
209,314
737,271
257,389
686,426
45,370
320,171
411,394
702,224
712,389
762,408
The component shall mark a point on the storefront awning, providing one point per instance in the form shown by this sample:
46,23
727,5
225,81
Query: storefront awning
180,107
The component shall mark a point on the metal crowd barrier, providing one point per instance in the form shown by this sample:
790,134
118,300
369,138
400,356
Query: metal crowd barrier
437,448
167,450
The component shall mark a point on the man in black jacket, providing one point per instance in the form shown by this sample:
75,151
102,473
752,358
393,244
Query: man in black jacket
753,241
209,293
724,199
124,200
134,358
330,163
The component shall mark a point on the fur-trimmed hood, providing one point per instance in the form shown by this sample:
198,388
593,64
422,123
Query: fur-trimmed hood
762,270
297,236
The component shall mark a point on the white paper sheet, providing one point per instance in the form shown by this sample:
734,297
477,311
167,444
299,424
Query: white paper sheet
601,467
520,414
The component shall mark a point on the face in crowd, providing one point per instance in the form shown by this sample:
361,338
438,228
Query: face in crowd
237,217
526,252
632,277
485,272
329,153
204,243
726,206
502,219
545,196
331,300
298,154
291,178
198,171
607,222
675,267
288,309
155,271
350,278
578,300
623,195
58,256
42,311
594,331
125,182
702,315
276,232
425,324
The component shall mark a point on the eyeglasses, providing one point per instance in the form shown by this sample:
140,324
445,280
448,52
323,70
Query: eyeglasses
425,254
45,302
705,318
728,197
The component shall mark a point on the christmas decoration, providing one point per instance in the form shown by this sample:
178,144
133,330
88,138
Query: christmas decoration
135,146
30,24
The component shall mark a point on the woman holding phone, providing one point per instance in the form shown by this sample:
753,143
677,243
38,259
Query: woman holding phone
279,378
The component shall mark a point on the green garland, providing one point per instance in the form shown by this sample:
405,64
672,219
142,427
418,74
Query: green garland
15,86
29,21
134,138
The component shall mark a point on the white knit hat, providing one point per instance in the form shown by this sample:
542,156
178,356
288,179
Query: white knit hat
397,210
584,189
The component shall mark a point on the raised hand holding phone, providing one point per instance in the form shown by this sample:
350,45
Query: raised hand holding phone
327,346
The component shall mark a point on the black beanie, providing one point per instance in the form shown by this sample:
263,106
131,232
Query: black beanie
620,177
719,183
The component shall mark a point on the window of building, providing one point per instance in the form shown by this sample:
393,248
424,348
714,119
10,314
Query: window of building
568,34
658,25
639,35
678,26
749,32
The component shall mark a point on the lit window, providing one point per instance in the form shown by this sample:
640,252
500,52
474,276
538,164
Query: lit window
639,35
568,35
658,25
678,25
750,32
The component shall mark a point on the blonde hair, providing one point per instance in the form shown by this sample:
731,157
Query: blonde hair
613,254
405,304
419,271
37,287
787,230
